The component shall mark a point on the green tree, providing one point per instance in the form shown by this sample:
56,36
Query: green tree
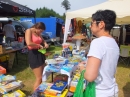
66,5
46,12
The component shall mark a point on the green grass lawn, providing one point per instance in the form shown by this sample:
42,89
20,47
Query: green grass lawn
25,74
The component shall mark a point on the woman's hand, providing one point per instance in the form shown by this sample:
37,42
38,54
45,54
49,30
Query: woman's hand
40,47
46,45
81,66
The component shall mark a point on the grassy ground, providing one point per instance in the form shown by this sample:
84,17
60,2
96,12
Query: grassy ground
24,73
123,80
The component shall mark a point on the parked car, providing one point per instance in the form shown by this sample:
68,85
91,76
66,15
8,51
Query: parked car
21,27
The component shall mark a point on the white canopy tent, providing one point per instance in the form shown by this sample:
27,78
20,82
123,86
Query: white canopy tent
121,7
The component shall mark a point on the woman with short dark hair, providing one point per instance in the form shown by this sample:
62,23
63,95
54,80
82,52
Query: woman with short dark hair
102,58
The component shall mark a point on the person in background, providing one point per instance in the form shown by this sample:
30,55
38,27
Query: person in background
1,33
84,29
10,32
102,58
62,34
36,59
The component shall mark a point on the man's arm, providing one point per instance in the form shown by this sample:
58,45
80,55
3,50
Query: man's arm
15,34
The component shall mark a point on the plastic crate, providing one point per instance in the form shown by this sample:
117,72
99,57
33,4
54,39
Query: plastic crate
2,70
4,58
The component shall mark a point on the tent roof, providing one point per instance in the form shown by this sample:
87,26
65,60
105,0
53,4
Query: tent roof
10,8
121,7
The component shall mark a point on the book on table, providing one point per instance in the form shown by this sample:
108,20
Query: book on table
64,94
59,86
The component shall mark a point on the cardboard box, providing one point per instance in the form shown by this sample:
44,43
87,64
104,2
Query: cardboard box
2,70
4,58
2,50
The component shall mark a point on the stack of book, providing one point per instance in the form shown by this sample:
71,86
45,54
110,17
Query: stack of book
59,86
56,89
9,86
17,93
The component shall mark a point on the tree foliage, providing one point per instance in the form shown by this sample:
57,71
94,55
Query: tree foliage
66,4
46,12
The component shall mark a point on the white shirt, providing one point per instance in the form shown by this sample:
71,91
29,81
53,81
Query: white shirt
9,30
107,50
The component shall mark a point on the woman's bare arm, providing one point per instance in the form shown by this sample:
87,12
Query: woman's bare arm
92,68
28,39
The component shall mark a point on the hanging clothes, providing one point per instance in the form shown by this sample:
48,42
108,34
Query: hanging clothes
79,26
72,23
75,24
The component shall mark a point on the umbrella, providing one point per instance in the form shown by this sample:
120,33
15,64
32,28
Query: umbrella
10,8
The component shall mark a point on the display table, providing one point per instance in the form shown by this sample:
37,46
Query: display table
65,65
12,54
46,73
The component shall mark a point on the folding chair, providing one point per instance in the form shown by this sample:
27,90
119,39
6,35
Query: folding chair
124,54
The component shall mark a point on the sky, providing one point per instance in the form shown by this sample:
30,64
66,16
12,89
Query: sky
56,4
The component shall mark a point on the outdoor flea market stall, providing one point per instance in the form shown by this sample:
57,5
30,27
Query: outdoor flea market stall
61,67
10,8
67,62
84,15
9,85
